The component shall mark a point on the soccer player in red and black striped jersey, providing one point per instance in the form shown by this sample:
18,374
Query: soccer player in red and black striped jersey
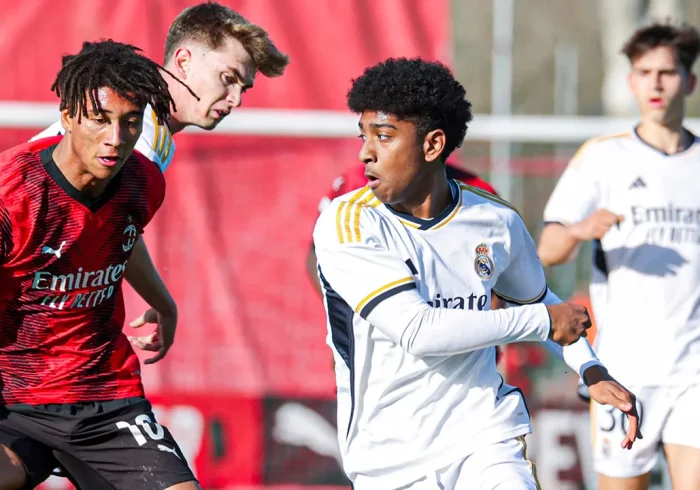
72,211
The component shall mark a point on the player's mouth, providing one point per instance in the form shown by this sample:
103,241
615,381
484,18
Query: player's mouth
108,161
656,103
221,114
372,181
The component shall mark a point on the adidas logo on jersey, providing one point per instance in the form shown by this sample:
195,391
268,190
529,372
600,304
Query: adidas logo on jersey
458,303
638,184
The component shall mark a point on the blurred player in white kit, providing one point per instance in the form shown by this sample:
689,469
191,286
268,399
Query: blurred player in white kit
636,195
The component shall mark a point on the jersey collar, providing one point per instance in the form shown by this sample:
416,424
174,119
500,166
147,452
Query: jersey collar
92,203
429,224
692,146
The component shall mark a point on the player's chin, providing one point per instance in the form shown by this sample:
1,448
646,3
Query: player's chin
101,172
384,195
209,122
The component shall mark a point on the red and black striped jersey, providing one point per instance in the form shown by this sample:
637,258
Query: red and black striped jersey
62,262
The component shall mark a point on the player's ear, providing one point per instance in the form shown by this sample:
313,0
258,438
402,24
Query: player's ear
434,144
183,59
690,83
66,119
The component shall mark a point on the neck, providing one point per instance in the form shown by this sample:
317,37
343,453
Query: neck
434,196
75,172
669,137
174,124
178,93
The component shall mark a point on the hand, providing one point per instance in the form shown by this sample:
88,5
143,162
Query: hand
161,339
605,390
596,225
569,323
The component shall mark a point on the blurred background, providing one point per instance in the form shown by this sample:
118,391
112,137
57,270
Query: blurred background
248,388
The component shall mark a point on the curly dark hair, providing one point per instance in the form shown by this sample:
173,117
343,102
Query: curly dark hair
684,39
422,92
122,68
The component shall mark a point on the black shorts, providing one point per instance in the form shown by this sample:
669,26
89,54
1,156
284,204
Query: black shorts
115,445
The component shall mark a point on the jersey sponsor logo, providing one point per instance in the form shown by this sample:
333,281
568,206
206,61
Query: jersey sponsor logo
668,224
483,265
460,303
665,214
104,280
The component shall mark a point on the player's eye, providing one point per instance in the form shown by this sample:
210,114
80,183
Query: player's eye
362,137
99,120
228,79
383,137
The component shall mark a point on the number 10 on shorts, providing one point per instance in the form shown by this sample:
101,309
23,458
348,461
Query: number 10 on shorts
143,425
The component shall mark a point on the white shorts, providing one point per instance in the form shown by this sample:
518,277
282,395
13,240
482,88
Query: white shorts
502,466
669,415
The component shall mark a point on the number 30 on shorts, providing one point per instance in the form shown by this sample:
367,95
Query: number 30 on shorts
143,426
615,418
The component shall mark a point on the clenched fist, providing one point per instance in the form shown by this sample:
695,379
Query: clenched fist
569,323
596,225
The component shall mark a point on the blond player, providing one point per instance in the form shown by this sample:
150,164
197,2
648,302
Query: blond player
215,53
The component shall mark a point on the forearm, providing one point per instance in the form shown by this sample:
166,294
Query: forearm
579,356
556,245
142,275
422,330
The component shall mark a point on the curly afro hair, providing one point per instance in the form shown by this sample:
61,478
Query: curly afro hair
422,92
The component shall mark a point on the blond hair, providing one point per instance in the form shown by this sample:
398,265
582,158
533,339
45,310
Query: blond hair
212,24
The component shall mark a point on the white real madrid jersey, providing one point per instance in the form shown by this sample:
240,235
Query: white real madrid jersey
156,142
645,288
407,305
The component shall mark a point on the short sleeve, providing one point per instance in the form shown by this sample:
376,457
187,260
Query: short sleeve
522,281
355,258
575,196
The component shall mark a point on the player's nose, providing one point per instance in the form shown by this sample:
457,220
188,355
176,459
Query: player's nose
367,153
115,135
235,96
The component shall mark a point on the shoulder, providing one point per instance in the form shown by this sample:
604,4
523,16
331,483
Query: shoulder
469,178
473,196
156,142
146,175
17,163
590,153
144,169
349,218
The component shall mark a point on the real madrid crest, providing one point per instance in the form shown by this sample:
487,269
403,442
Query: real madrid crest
129,235
483,265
